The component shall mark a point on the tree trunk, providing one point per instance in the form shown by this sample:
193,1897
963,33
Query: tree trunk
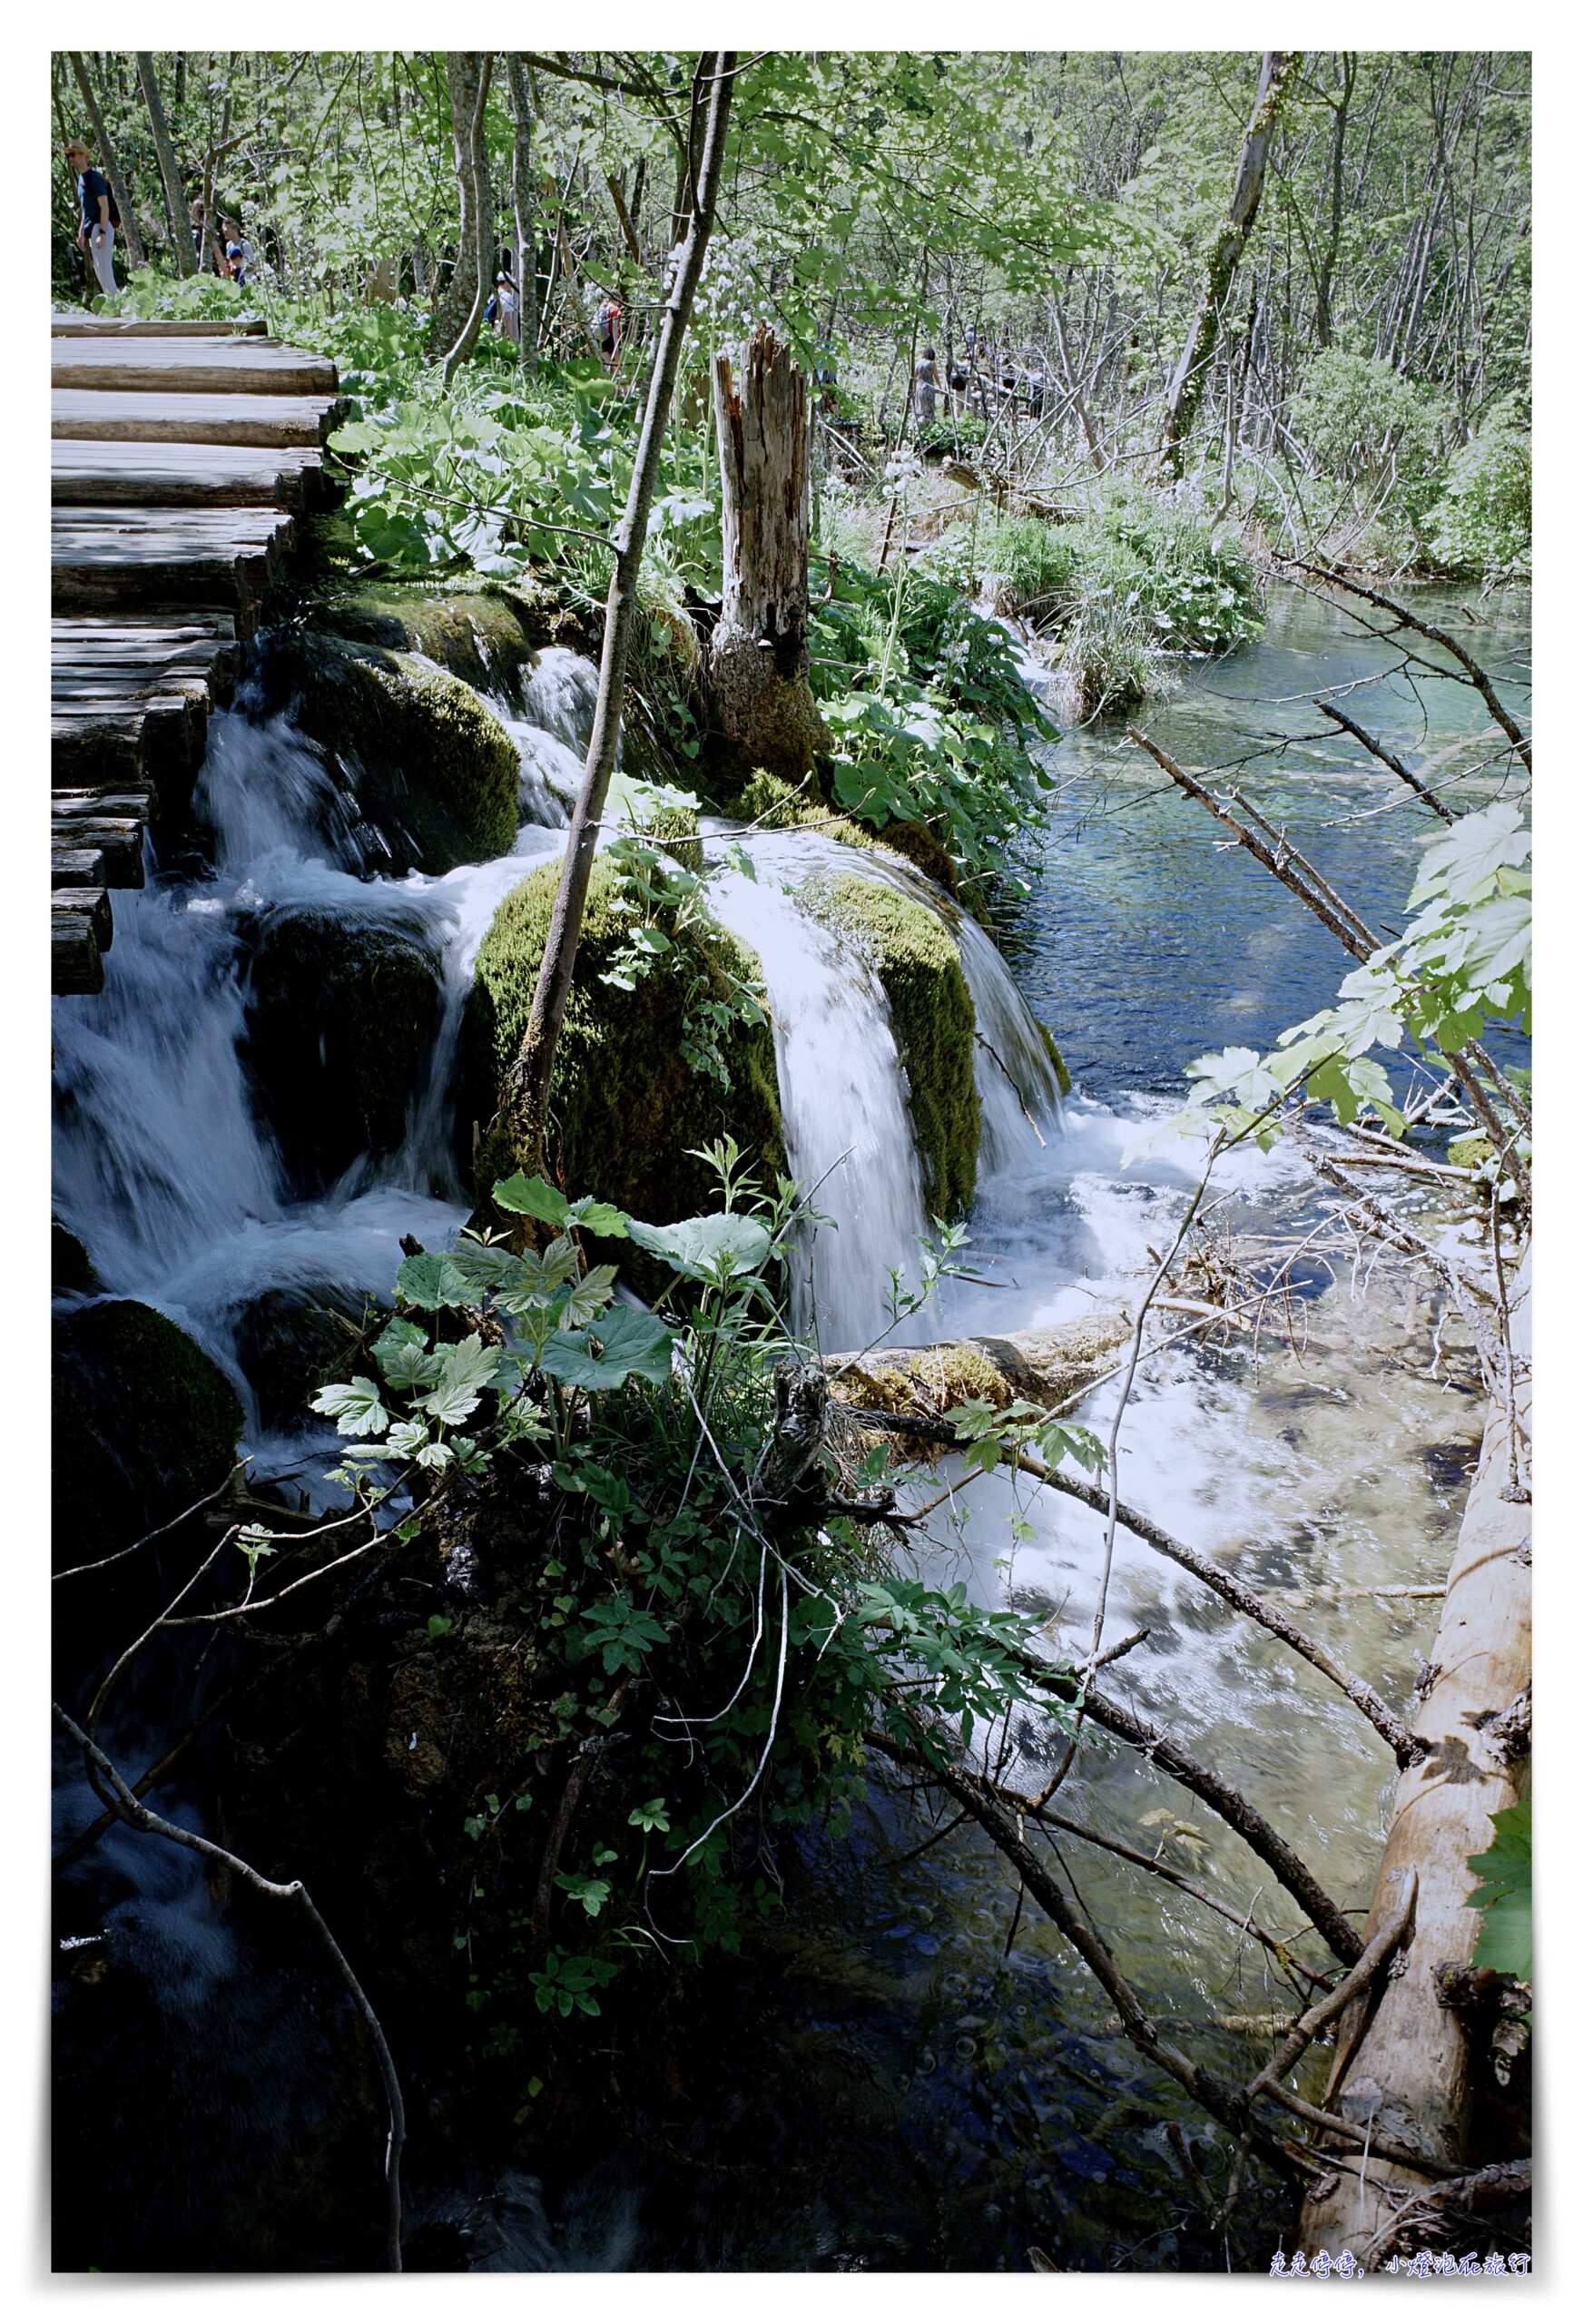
1277,73
522,209
1412,2067
169,175
131,239
526,1099
1324,322
477,176
757,660
464,67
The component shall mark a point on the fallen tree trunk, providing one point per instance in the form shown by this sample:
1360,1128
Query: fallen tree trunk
1407,2064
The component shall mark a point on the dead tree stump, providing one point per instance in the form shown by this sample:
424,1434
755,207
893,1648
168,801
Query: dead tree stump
762,703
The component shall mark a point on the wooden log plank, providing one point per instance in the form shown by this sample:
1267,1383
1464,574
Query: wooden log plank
99,742
90,905
132,655
96,801
87,415
123,557
191,366
173,476
76,324
95,856
74,962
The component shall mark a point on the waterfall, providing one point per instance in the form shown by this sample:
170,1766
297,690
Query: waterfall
844,1104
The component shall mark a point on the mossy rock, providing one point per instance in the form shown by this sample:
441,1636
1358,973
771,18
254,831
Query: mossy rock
927,1381
71,1268
624,1106
486,637
144,1425
340,1018
291,1341
1057,1062
777,805
429,762
675,829
1470,1152
931,1012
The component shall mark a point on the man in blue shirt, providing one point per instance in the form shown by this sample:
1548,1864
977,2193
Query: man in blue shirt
98,218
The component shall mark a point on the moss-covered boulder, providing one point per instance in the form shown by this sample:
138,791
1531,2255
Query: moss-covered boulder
71,1268
144,1424
486,637
292,1341
429,764
931,1012
341,1016
624,1105
770,800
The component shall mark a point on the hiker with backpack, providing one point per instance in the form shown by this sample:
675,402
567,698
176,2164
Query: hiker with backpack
98,216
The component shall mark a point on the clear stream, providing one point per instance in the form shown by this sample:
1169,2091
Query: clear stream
890,2079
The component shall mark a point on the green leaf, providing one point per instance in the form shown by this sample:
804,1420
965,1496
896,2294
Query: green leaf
468,1368
531,1199
599,1217
624,1343
431,1281
354,1407
707,1250
1505,1894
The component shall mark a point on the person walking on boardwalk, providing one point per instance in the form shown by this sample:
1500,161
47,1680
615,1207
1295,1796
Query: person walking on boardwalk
97,215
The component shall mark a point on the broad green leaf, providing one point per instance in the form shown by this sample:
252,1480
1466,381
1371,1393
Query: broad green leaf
432,1281
624,1343
531,1199
707,1250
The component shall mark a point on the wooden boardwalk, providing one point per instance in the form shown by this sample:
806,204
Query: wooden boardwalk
183,455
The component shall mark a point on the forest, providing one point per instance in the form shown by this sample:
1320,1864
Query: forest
794,1159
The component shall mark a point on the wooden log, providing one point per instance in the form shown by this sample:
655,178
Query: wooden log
96,852
99,742
147,558
1409,2066
90,905
74,962
180,476
85,415
77,325
191,366
79,806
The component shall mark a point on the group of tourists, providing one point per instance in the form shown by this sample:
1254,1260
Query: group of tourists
219,247
980,375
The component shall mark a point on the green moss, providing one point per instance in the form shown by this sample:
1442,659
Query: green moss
429,762
931,1012
675,829
1470,1152
777,805
340,1016
144,1424
930,1379
487,637
1063,1079
625,1107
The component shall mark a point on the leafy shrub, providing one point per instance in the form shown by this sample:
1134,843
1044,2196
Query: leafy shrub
1483,521
1363,423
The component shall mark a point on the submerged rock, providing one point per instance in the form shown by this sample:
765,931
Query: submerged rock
429,763
340,1019
144,1424
931,1015
624,1103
